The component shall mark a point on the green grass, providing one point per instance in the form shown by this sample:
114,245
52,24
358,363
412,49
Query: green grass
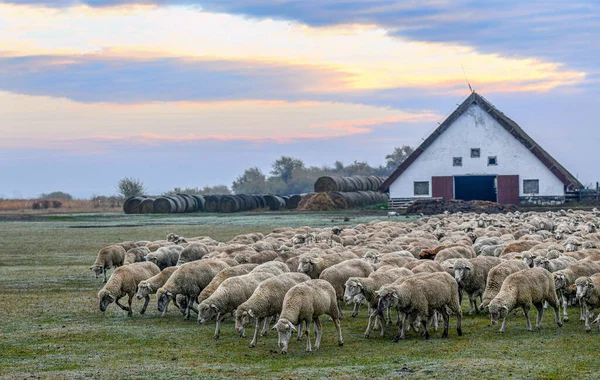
50,325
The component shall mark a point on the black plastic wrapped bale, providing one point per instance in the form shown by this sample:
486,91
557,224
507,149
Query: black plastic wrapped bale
131,205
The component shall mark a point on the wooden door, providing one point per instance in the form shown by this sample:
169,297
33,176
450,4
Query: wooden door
508,189
442,187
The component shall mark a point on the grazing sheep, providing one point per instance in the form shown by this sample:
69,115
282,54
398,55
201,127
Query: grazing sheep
553,265
127,245
305,302
151,285
265,302
471,276
153,246
428,266
123,282
523,289
492,250
358,288
431,253
455,253
519,246
229,295
312,265
274,267
189,280
419,297
165,256
109,257
338,274
224,274
193,252
496,277
136,255
588,293
563,279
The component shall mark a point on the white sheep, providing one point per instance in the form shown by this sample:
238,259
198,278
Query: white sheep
224,274
194,251
229,295
588,293
563,279
525,288
123,282
189,280
418,297
265,302
496,277
109,257
165,256
471,276
136,255
148,287
305,302
338,274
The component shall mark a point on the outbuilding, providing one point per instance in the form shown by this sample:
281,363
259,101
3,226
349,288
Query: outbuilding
478,153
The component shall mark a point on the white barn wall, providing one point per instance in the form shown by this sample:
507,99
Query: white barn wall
475,128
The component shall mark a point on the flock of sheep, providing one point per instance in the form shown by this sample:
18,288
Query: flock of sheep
420,269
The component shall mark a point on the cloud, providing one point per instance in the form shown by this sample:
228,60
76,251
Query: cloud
72,50
64,125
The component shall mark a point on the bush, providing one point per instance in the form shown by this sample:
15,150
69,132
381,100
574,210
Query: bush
130,187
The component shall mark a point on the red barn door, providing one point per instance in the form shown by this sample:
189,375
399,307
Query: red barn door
442,187
508,189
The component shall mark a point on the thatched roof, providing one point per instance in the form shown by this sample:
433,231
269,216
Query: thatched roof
513,128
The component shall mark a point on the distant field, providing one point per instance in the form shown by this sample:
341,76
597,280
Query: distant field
51,326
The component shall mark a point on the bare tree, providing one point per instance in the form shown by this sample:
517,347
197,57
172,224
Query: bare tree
130,187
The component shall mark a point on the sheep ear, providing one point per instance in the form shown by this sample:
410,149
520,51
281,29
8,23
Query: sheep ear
291,325
250,313
214,307
452,267
505,308
169,294
274,327
91,267
591,286
519,257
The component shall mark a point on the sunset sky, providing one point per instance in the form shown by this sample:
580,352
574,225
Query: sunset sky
190,93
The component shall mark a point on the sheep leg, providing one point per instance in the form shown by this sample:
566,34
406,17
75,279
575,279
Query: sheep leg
104,273
218,327
389,316
307,333
581,311
587,318
503,327
401,329
355,309
130,311
526,309
121,306
187,307
340,310
446,321
424,322
564,305
338,328
265,328
540,310
301,325
471,304
368,330
319,331
435,321
146,301
255,337
556,306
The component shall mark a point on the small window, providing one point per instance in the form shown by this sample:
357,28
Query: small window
492,160
475,152
457,161
531,186
422,188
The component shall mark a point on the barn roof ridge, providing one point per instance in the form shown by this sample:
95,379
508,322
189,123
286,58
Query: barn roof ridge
507,123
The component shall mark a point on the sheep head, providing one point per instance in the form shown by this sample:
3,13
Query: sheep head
582,286
353,288
497,311
144,289
207,312
284,329
164,297
105,298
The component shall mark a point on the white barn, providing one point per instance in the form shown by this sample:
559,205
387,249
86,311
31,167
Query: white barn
478,153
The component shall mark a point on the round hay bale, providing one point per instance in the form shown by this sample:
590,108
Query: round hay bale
231,203
179,203
131,205
330,183
275,202
163,205
260,201
292,202
146,206
213,203
189,201
199,202
250,202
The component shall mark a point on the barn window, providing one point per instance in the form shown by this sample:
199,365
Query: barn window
422,188
531,186
456,161
475,152
492,160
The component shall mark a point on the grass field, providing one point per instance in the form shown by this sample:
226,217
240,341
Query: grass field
51,326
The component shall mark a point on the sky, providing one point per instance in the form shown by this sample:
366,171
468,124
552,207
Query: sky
190,93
